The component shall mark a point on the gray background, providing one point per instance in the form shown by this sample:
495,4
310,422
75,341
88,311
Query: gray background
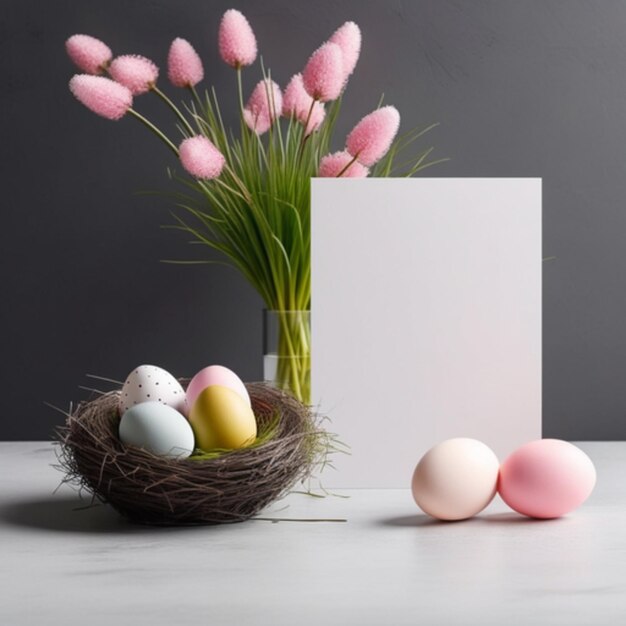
520,88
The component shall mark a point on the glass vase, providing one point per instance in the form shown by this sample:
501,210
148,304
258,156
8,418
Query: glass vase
287,351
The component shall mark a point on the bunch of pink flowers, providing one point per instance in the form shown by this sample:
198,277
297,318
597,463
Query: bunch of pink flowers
108,87
249,197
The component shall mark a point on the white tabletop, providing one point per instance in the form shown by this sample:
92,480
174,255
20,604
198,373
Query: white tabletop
386,565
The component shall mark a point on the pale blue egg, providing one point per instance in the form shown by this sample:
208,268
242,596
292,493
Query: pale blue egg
157,428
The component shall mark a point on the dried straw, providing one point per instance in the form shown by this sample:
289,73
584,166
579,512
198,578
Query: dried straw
231,486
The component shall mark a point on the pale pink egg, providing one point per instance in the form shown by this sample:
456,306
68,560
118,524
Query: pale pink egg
546,478
215,375
456,479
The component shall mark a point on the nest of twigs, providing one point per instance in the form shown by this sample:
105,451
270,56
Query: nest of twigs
219,487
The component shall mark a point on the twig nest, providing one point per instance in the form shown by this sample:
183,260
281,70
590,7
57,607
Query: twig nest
218,487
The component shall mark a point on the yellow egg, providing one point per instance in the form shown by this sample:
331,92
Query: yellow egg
221,418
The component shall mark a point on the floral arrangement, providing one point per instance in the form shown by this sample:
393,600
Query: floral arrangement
248,196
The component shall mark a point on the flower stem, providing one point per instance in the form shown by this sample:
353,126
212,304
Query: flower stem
293,353
155,130
240,90
242,125
305,136
174,108
354,158
239,183
196,97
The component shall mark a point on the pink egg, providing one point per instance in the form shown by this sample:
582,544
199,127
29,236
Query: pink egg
215,375
546,478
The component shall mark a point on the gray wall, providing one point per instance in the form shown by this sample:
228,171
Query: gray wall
520,88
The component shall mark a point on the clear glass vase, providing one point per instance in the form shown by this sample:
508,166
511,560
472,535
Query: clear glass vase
287,351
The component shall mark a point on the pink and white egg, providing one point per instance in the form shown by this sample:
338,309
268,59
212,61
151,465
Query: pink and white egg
545,479
455,479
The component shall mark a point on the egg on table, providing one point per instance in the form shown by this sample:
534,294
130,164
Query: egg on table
215,375
149,383
158,428
222,418
546,478
455,479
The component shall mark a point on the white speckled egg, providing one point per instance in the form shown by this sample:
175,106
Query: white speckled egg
158,428
149,383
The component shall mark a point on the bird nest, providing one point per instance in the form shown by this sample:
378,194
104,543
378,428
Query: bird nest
206,488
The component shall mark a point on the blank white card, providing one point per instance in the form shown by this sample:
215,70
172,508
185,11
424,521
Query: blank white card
426,318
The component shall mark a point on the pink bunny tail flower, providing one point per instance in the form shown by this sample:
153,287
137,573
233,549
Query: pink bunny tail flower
201,158
258,122
236,40
370,139
323,76
184,66
102,95
336,164
295,99
297,103
135,72
88,53
264,106
348,38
